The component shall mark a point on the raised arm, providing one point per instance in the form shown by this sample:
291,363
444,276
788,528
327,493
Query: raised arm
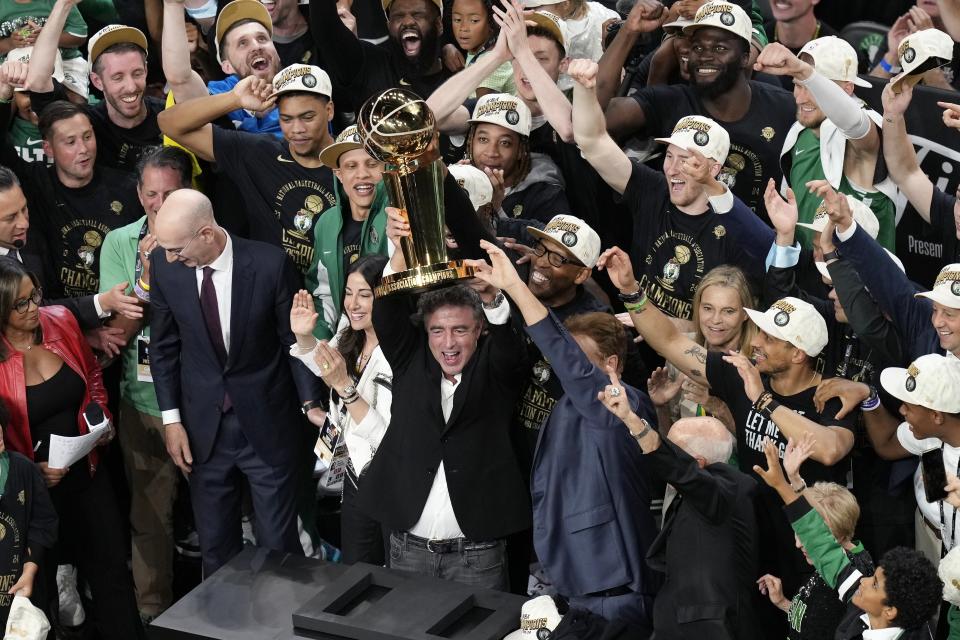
880,425
341,52
185,83
644,17
43,57
898,152
590,132
188,123
656,328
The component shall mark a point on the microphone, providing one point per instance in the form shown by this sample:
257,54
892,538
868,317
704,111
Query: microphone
18,244
94,416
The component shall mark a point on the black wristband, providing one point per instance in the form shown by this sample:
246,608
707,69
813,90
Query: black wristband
831,255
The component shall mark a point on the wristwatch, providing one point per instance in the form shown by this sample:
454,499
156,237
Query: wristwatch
309,405
348,391
831,255
496,302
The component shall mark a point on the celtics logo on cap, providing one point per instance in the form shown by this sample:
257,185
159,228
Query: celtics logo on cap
727,19
701,138
909,54
955,287
512,116
309,81
911,382
569,238
543,634
782,319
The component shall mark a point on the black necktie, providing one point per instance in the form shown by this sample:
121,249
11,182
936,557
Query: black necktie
211,316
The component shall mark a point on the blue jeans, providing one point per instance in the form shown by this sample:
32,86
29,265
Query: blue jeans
478,567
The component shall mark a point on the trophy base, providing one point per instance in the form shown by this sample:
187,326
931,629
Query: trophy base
423,278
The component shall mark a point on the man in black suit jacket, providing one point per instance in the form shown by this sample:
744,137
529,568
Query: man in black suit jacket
708,543
88,310
226,386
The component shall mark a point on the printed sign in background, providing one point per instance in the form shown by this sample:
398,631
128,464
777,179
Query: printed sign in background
919,245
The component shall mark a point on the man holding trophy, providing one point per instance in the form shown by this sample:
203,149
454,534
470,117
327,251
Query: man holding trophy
445,481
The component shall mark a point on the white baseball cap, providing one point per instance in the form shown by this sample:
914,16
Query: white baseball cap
475,182
114,34
920,52
503,109
862,214
835,59
677,25
723,15
533,4
536,615
703,134
302,77
552,23
946,288
574,234
22,54
348,140
822,266
930,381
795,321
76,76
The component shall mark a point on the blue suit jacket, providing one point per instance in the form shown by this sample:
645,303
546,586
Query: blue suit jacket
591,500
260,376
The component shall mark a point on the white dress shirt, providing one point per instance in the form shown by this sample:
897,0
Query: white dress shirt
890,633
222,277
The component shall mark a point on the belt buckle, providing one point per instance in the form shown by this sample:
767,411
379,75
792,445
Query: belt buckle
430,548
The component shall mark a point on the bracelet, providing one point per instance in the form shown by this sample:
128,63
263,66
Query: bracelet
637,306
631,297
350,399
872,401
141,293
765,404
143,285
803,486
889,68
643,432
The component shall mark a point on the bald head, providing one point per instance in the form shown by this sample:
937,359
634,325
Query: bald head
186,228
705,438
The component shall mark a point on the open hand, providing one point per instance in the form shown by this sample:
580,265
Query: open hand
773,474
783,213
838,208
500,273
255,94
303,314
661,388
617,264
752,384
796,453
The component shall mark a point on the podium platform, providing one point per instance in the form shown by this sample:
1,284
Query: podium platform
267,595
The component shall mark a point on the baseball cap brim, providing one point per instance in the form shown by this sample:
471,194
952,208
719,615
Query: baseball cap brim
940,297
546,23
766,324
514,635
330,156
540,235
117,36
913,77
242,10
860,82
894,380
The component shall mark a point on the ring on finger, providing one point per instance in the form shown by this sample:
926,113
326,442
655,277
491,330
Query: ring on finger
614,392
325,365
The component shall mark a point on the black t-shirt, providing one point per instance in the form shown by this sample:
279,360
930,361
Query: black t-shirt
671,250
297,51
753,427
815,610
283,198
755,140
941,217
351,238
117,147
538,201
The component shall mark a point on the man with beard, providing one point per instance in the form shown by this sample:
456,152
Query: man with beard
756,115
243,40
678,215
410,57
283,184
125,123
835,136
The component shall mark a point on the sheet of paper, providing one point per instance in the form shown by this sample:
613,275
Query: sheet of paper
65,451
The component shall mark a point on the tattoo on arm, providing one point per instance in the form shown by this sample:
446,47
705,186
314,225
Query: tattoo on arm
697,352
696,373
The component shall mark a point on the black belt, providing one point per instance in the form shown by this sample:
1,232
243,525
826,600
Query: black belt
450,545
610,593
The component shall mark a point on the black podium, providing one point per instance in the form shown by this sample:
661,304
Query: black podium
266,595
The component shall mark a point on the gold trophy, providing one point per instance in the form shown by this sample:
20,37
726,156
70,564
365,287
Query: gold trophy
397,128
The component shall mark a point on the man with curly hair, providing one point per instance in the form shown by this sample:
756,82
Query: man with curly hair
897,601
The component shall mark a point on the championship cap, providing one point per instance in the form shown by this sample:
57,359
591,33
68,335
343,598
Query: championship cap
930,381
538,618
533,4
677,25
862,214
348,140
920,52
22,54
114,34
574,234
386,5
822,266
703,134
302,77
723,15
835,59
239,10
503,109
475,182
946,288
553,24
795,321
76,76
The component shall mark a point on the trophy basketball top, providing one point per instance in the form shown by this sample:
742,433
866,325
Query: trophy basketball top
396,126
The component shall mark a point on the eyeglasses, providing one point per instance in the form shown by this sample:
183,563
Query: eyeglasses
555,259
21,305
177,252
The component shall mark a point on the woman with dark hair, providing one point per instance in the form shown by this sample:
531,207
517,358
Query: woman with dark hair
360,381
48,375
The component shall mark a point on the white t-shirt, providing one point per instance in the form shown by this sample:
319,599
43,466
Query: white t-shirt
586,37
931,510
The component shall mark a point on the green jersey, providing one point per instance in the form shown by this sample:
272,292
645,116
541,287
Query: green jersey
16,16
25,138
